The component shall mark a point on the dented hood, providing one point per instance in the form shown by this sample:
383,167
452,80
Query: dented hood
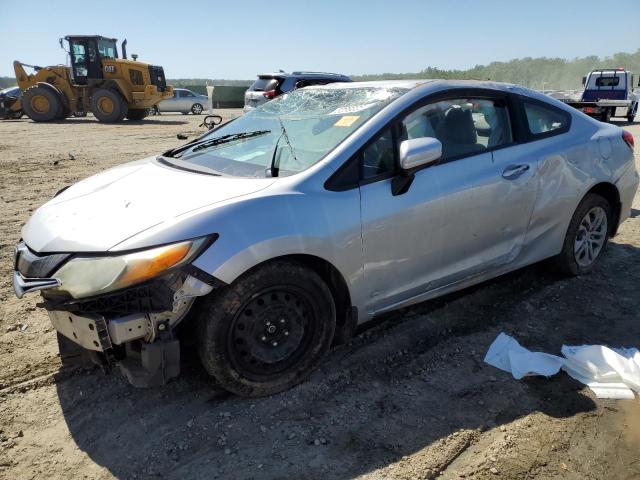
100,212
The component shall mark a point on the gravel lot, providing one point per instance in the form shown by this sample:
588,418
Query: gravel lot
408,398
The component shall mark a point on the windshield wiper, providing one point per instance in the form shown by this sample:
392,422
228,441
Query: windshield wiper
211,142
273,170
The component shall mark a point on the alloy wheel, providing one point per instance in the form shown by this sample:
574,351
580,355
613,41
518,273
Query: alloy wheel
591,236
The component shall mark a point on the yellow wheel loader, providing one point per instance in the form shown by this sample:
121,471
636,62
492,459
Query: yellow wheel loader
97,81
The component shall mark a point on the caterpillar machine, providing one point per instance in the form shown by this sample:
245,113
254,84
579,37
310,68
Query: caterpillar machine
98,81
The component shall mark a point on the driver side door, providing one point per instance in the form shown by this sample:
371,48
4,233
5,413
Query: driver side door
458,219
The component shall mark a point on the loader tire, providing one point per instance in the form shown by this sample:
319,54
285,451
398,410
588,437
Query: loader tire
137,113
108,105
41,104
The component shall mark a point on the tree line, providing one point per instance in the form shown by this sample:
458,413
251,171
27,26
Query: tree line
538,73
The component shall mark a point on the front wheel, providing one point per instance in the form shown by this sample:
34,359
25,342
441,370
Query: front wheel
196,109
268,330
586,237
42,104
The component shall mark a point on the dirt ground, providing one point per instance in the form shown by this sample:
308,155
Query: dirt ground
408,398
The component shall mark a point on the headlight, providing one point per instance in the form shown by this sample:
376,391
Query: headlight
87,276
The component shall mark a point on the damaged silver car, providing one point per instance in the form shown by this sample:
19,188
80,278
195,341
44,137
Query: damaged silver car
272,237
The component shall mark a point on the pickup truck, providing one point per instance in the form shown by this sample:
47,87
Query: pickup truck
607,93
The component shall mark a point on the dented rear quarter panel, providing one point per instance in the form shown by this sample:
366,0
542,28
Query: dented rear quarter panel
568,167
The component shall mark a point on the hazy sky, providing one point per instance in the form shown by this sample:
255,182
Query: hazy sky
237,39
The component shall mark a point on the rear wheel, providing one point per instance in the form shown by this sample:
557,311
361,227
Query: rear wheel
605,116
196,109
268,330
137,113
586,237
108,105
42,104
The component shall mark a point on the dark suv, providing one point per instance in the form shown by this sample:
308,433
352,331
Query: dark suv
269,85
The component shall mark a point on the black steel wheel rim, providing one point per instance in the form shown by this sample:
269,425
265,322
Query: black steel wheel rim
271,332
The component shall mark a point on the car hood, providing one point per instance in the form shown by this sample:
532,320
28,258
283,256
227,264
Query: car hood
102,211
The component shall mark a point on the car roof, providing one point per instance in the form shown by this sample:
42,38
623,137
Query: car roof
405,84
435,85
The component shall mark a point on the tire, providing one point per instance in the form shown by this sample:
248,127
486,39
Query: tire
267,331
196,109
108,105
575,260
42,104
137,113
606,115
16,115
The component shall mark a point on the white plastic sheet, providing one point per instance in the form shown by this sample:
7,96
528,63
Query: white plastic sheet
507,354
610,373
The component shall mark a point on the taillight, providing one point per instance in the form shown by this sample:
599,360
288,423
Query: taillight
628,139
270,94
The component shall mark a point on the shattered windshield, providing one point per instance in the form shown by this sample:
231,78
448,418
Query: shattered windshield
290,133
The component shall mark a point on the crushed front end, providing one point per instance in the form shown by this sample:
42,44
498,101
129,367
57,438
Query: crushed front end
132,327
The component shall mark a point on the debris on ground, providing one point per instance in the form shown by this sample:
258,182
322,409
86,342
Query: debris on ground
609,372
507,354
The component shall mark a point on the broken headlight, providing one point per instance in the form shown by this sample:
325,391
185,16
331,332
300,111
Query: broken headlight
88,276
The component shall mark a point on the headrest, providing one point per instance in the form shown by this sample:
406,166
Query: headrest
459,127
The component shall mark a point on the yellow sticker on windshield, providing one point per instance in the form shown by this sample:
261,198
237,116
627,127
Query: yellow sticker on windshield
346,121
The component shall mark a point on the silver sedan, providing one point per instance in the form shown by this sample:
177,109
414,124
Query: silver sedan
314,213
184,101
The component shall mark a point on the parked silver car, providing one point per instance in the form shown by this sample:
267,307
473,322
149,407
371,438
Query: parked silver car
184,101
273,236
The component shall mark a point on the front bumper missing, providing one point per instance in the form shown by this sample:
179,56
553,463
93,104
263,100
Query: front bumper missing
143,364
131,328
88,331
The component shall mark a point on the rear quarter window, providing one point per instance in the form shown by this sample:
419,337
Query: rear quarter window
545,120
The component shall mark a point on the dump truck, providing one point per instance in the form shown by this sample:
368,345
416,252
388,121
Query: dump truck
97,81
607,93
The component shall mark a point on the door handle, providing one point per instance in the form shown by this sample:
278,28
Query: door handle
514,171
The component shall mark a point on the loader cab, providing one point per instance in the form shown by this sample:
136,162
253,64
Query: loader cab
87,53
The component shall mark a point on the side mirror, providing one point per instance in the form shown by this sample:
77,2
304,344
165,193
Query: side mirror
415,153
584,81
419,152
